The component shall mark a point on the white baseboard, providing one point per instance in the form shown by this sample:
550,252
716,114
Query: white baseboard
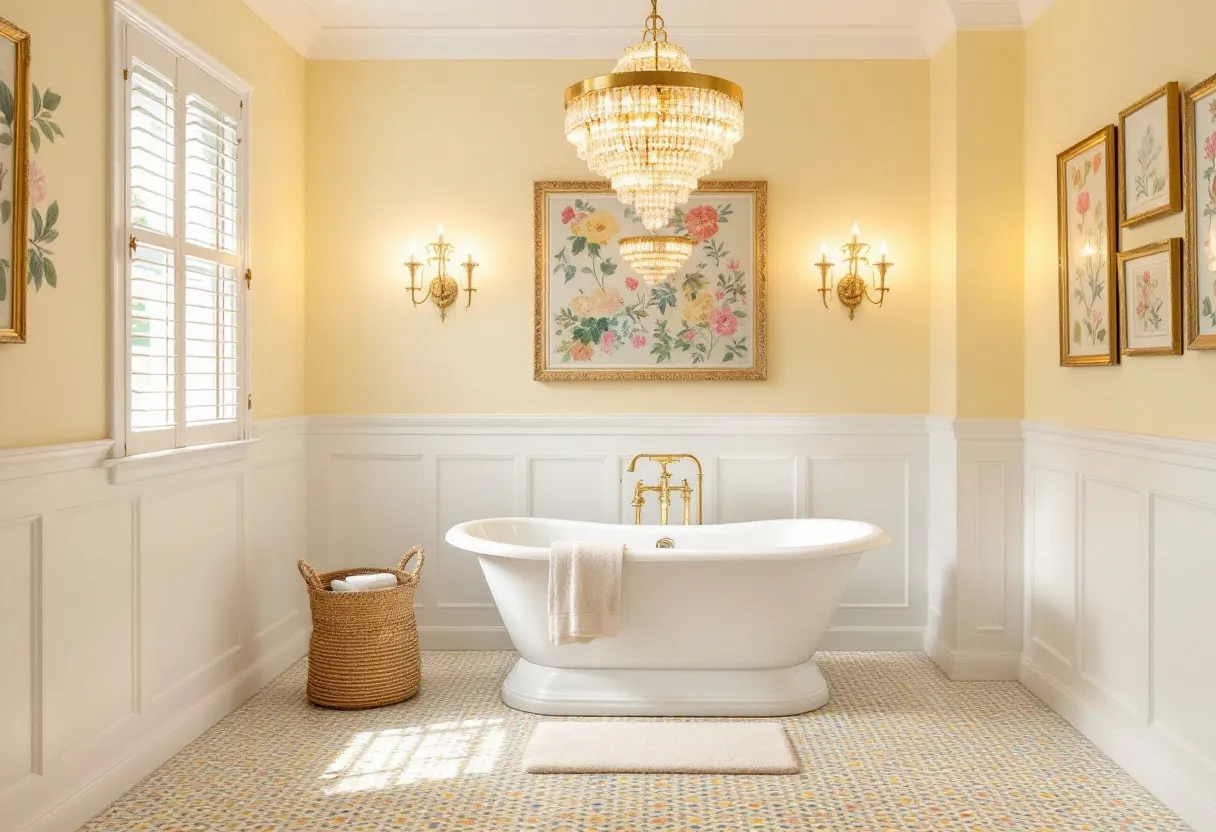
972,667
431,637
873,638
172,738
1139,758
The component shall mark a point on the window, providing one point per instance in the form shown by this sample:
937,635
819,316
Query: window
182,203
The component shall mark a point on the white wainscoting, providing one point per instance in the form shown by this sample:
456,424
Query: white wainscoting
974,628
378,485
1120,615
137,615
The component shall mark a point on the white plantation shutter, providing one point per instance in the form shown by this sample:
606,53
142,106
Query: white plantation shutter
186,335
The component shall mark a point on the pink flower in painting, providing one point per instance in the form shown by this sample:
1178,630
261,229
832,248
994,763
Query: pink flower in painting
1083,203
567,215
1096,317
631,283
638,341
724,322
1097,162
581,351
1209,147
732,265
607,343
37,184
688,335
701,223
718,295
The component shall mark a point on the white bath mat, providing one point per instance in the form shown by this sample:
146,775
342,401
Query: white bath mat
659,748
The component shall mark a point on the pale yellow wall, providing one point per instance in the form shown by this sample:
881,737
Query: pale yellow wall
943,204
1085,61
54,388
975,162
396,148
989,237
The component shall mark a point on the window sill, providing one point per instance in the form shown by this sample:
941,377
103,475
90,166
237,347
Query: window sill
176,461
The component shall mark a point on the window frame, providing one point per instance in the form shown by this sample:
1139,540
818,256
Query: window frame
128,13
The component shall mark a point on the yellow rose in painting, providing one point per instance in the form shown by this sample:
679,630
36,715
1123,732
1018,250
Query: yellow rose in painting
597,227
698,310
581,306
606,302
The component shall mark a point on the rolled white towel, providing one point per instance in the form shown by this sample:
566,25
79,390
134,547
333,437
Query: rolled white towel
341,586
380,580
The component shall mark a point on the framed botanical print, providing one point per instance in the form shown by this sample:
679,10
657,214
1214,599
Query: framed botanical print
14,179
1199,200
1150,299
1085,187
1150,164
597,320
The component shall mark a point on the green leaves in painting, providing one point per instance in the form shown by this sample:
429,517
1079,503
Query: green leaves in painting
662,296
42,123
589,330
1208,309
41,268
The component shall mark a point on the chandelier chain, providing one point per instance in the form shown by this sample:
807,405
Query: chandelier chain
655,25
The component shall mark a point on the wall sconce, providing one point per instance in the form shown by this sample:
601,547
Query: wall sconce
442,290
852,288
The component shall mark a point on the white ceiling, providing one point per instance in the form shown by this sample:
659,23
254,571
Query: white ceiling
506,29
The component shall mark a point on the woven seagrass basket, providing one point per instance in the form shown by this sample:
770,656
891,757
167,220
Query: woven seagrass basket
364,647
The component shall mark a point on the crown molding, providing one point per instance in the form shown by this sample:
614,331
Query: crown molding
292,20
299,26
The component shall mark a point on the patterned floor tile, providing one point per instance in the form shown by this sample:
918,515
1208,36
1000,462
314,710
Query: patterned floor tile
899,747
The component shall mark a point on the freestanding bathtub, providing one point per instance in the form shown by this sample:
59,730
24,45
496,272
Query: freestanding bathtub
723,624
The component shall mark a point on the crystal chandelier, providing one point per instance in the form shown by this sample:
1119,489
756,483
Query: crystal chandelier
654,127
656,257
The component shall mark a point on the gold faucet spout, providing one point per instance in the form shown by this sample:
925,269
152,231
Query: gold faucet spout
665,488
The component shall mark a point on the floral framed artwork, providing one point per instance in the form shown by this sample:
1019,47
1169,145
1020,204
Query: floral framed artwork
1085,186
596,320
1150,165
14,179
1199,201
1150,299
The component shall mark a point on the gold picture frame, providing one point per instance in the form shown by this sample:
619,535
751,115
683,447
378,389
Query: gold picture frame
1200,294
14,193
731,289
1144,122
1086,212
1147,302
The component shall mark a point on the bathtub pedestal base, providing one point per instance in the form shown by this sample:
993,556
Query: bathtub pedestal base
560,691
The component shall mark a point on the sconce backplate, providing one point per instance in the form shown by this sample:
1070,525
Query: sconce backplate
851,291
444,292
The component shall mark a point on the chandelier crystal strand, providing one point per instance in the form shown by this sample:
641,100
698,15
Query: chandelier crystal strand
655,258
654,127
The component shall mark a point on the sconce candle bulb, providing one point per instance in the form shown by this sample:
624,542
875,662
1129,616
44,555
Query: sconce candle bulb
853,288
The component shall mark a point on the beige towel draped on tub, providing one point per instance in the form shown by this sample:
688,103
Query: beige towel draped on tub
584,591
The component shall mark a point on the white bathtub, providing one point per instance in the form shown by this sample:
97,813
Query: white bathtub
724,624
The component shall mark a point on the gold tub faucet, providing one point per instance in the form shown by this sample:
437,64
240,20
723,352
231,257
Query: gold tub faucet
665,488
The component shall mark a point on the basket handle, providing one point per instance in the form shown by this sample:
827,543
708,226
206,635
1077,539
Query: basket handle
416,575
310,576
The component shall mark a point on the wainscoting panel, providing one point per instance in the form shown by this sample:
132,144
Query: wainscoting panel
89,623
20,652
1121,567
137,614
875,490
572,467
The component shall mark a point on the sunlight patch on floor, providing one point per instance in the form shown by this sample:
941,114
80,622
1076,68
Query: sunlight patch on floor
375,760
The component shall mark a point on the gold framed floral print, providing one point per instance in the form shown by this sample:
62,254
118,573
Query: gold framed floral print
14,179
1085,186
1150,166
1199,201
1150,299
595,320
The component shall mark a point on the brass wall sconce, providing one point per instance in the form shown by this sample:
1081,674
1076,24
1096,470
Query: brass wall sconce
853,288
442,290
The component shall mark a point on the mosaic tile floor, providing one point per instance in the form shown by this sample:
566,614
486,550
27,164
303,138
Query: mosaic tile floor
899,747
